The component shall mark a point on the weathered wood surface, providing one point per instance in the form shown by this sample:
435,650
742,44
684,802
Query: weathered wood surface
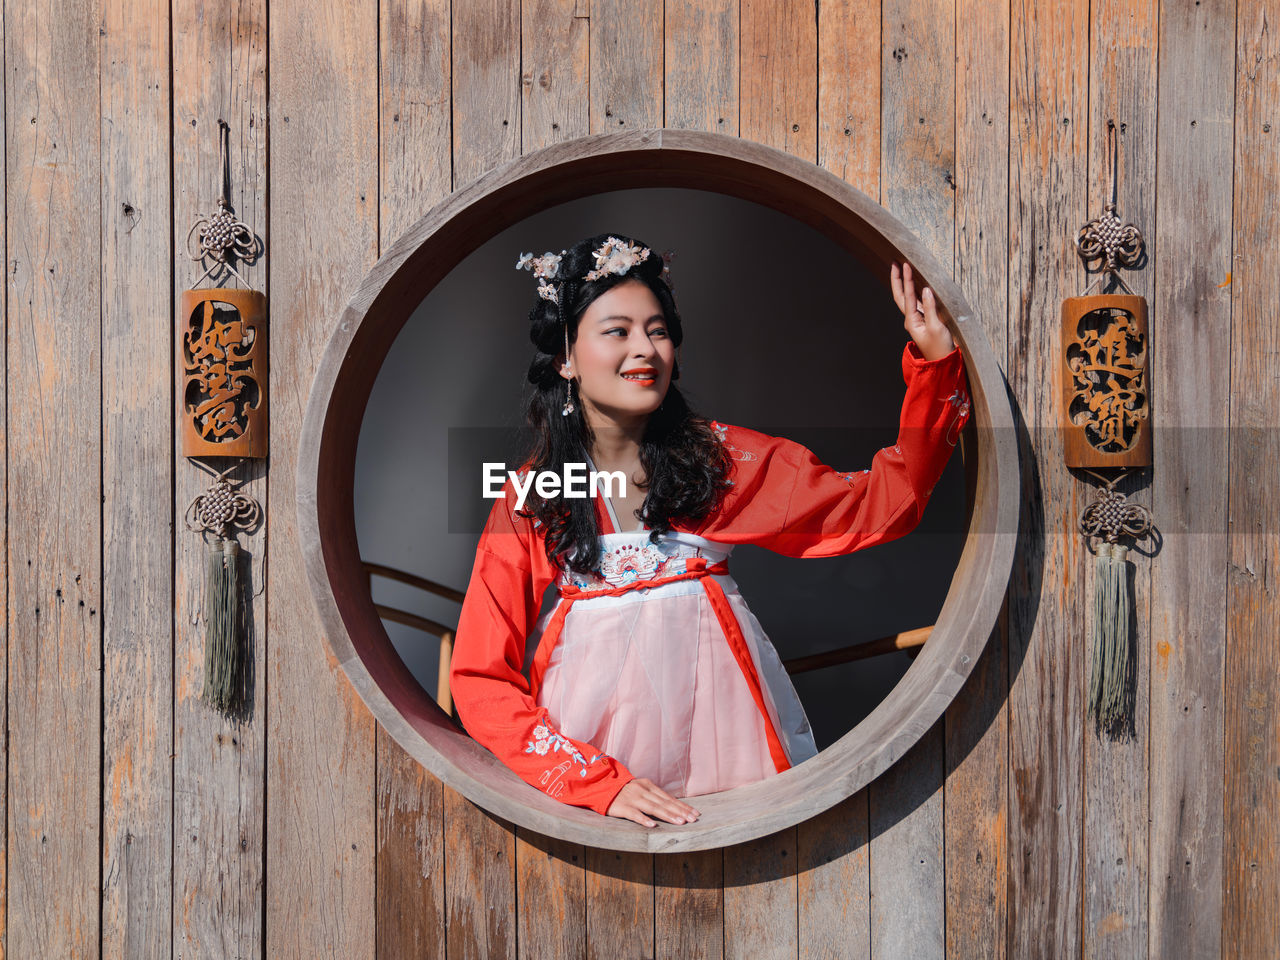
1032,813
137,477
1192,307
1122,77
975,805
414,153
321,784
54,287
1048,121
1252,762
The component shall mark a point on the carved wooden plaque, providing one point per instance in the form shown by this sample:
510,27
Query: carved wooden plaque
222,353
1106,395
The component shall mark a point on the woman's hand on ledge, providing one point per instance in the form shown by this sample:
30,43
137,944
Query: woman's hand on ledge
921,318
641,799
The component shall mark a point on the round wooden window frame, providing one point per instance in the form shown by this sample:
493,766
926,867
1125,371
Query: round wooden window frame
396,285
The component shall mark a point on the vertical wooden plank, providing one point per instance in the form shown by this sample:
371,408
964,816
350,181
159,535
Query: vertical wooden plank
479,882
760,909
480,850
833,853
779,75
620,904
1192,307
321,796
485,43
908,888
219,764
1122,79
550,897
700,65
849,92
1253,601
778,102
689,904
55,493
626,64
5,805
414,155
1047,600
907,883
554,70
137,474
834,883
976,850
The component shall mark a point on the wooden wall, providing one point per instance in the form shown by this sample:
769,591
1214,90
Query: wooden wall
140,824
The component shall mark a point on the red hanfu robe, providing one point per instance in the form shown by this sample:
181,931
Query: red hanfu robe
655,667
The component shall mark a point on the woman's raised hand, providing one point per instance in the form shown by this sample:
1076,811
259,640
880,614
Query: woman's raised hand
642,799
921,316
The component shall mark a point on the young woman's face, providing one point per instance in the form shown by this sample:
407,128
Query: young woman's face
623,356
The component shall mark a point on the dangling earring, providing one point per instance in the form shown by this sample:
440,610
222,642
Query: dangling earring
568,395
568,384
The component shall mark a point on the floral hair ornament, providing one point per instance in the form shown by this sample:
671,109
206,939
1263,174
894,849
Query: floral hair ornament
545,268
614,256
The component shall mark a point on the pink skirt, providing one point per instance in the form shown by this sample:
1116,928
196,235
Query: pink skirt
649,676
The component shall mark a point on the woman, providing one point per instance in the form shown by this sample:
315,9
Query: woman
652,679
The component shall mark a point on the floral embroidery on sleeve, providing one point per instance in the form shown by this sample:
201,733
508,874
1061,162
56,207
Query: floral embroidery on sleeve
745,456
851,475
960,400
545,740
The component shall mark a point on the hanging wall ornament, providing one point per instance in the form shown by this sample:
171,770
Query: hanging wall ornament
222,412
1106,344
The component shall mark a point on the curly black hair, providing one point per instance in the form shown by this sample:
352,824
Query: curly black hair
685,465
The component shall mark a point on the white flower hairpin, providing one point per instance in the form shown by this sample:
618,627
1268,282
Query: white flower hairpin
613,256
545,268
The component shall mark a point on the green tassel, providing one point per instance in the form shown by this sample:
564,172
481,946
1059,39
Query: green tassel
222,654
1111,680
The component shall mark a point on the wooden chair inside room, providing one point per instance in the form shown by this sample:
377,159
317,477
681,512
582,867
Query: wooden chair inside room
418,622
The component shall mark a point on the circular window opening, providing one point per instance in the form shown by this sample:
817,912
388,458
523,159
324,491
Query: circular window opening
836,367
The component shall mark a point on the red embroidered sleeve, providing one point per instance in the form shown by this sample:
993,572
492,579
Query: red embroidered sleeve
787,500
491,692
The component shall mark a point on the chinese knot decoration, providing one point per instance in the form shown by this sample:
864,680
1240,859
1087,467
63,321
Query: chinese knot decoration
222,412
1106,412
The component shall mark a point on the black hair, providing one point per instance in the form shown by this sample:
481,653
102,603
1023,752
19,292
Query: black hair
685,465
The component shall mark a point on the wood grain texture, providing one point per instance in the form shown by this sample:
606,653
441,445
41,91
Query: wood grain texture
760,906
833,859
620,904
626,64
917,162
219,763
778,80
414,108
479,883
1122,80
485,44
554,69
700,66
977,722
320,775
550,897
688,904
1192,315
849,92
5,804
54,356
1047,601
137,477
1252,802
